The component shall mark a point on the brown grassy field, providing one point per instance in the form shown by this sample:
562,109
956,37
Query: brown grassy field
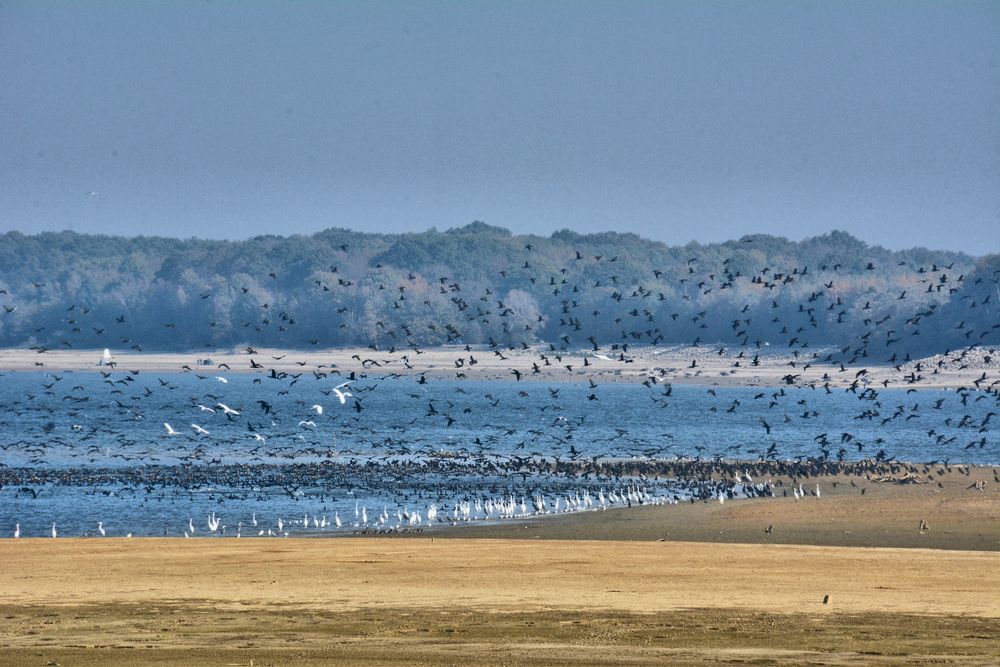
434,601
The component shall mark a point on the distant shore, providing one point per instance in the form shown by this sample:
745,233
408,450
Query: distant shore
703,365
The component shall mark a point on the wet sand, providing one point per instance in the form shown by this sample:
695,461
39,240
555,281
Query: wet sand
675,364
959,505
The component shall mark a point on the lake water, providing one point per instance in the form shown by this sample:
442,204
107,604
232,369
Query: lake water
103,446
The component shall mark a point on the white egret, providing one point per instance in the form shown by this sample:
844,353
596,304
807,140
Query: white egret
199,429
227,410
342,395
170,429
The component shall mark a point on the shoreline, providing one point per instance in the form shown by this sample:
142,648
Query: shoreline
945,507
676,364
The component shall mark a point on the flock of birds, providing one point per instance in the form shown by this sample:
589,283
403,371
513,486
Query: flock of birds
272,432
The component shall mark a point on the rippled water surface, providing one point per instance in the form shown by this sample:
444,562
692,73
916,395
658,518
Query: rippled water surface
396,445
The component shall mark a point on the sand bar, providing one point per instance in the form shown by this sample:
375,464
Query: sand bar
677,364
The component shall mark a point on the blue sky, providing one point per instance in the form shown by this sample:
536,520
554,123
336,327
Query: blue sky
676,120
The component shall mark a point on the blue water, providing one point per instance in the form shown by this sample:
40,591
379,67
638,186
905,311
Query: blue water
80,422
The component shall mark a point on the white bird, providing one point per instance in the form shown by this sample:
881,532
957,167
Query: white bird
310,423
259,438
54,533
205,408
191,526
213,522
100,528
199,429
336,519
221,379
318,409
17,529
227,410
342,395
254,518
170,429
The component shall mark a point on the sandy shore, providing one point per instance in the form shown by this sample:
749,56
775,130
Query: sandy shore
375,601
958,505
675,364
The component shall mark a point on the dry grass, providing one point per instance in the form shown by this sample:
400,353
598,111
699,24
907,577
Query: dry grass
376,601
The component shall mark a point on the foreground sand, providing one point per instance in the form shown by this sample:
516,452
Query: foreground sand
380,601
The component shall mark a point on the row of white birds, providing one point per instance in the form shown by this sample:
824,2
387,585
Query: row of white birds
480,509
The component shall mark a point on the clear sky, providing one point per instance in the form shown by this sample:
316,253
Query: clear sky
676,120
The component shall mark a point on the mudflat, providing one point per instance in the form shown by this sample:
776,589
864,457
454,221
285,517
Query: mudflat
934,506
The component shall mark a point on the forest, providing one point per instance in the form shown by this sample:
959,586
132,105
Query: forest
482,285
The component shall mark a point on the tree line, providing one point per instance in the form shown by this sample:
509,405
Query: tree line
481,284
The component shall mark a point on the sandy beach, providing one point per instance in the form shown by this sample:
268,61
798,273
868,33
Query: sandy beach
379,601
702,365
